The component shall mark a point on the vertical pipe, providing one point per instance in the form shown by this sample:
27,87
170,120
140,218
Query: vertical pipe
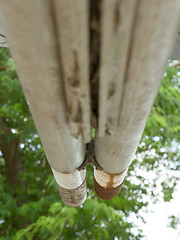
31,34
150,48
116,25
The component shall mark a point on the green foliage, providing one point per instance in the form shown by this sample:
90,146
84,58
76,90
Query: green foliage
164,120
98,221
33,208
174,221
168,189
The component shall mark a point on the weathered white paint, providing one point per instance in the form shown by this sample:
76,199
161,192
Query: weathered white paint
73,37
34,47
116,29
147,61
71,180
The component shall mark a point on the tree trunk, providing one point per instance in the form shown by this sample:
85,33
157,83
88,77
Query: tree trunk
10,152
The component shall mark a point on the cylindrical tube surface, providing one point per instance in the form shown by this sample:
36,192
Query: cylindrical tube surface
149,48
71,186
32,39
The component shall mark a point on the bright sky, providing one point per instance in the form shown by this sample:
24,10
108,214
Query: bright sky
157,221
156,226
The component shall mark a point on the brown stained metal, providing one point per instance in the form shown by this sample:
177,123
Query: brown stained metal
73,197
90,158
107,193
110,183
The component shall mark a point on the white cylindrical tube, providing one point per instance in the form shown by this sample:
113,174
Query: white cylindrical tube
107,180
72,186
149,50
31,34
108,185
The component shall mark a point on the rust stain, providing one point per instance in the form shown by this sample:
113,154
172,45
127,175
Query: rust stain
74,80
108,130
77,118
110,183
73,96
117,16
112,90
107,193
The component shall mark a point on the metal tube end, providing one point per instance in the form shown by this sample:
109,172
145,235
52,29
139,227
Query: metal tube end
106,193
108,185
71,186
73,197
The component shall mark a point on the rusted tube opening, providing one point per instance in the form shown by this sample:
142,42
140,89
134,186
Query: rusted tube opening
72,187
106,193
108,185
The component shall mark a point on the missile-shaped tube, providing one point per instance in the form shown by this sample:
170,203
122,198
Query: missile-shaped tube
30,30
150,45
